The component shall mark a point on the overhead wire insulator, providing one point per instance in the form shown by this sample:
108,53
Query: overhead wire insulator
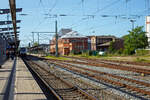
82,1
116,17
127,2
148,7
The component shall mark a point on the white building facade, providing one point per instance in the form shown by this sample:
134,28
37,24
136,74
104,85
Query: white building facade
148,29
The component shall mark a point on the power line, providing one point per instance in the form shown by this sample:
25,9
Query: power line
98,2
115,16
92,16
107,6
82,4
53,6
42,21
98,10
127,2
42,5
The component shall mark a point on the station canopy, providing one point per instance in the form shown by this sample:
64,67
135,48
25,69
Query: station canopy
6,11
8,22
7,29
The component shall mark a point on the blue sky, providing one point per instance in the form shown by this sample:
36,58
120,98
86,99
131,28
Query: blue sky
116,23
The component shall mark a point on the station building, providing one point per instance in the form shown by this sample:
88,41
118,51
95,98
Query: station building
71,42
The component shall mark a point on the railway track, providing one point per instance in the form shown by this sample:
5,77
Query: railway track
138,70
62,89
127,62
130,84
135,88
99,60
94,89
109,65
114,64
110,75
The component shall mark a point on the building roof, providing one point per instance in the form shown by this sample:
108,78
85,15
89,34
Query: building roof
103,36
73,34
64,31
104,44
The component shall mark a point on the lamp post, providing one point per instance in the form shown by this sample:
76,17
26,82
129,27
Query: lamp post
56,54
56,32
132,21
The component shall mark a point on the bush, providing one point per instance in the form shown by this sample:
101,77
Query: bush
85,53
73,52
120,51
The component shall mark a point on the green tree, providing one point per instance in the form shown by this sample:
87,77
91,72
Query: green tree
35,44
136,39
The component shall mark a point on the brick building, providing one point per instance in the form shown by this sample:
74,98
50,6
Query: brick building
62,32
70,42
101,43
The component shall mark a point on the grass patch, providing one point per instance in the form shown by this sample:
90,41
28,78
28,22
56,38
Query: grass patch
131,58
142,52
140,59
85,56
57,58
143,59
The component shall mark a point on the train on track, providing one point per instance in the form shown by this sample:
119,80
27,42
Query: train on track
23,51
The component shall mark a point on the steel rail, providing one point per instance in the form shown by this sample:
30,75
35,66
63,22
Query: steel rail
118,67
96,61
69,84
133,88
111,75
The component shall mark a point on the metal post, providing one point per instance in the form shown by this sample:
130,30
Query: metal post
132,25
8,29
38,39
56,53
38,44
33,37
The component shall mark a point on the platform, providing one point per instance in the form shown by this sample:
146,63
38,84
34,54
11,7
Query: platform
17,83
4,77
26,87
